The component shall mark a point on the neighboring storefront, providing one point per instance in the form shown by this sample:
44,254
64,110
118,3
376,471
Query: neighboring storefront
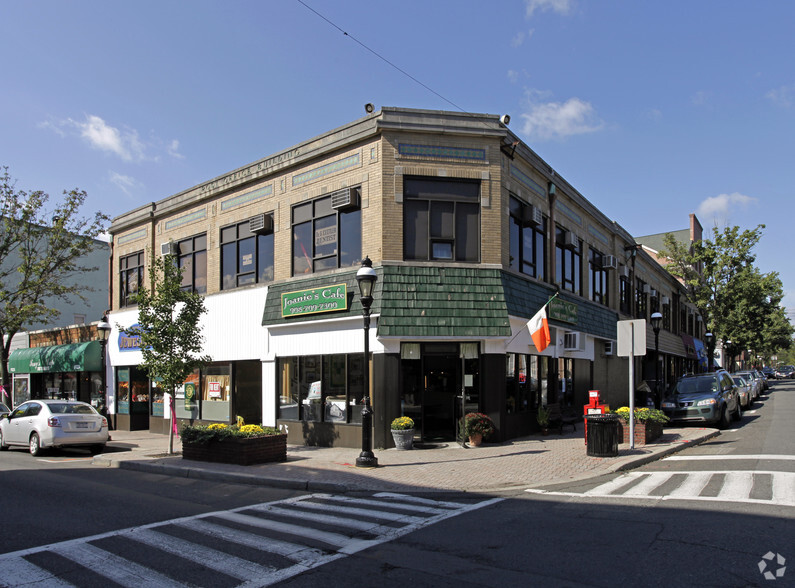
71,371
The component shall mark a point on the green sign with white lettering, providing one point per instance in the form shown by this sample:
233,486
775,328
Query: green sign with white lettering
316,300
563,311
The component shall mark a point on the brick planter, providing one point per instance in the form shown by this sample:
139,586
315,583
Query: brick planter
241,451
644,432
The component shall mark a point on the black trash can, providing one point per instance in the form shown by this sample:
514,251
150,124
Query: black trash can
602,439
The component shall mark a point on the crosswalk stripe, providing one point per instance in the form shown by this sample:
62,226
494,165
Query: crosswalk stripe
113,567
25,573
692,485
217,560
382,515
323,518
292,551
735,486
784,489
335,539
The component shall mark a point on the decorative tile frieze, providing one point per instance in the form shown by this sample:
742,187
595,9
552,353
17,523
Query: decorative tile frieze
241,199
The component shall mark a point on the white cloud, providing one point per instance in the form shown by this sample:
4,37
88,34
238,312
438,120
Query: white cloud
559,120
100,135
718,209
563,7
513,76
783,96
173,150
126,183
123,142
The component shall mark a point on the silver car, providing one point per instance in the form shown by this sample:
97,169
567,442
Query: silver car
41,424
745,391
753,381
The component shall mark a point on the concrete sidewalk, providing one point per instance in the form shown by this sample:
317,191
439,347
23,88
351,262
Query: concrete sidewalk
520,463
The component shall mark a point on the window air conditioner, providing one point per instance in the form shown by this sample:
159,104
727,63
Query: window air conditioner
646,289
610,347
262,224
625,271
531,216
169,248
570,240
345,199
665,300
573,341
609,262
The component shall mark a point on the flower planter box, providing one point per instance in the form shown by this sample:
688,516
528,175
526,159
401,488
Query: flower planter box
240,451
645,433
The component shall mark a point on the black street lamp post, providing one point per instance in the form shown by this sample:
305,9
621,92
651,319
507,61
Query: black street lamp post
366,278
103,331
656,320
710,339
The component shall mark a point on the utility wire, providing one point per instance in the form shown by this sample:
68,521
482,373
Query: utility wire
381,57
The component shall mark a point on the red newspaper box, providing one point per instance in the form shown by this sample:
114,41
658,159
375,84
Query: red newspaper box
594,406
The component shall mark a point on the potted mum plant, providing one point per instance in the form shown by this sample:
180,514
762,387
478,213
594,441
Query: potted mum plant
476,427
403,432
237,444
648,424
543,419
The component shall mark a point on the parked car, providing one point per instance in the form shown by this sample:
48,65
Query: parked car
754,380
709,397
41,424
785,371
4,409
769,372
744,390
762,378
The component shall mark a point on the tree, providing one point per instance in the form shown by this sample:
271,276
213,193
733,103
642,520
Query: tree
169,330
41,253
736,300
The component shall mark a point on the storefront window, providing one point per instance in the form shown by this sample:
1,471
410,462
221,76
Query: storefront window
123,391
21,391
158,398
321,388
216,391
527,241
523,378
187,398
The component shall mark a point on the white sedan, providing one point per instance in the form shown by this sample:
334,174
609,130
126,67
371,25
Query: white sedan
41,424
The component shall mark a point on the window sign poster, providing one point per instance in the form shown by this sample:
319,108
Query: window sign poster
248,259
190,395
326,236
215,389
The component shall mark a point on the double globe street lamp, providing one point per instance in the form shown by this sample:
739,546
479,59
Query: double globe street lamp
656,321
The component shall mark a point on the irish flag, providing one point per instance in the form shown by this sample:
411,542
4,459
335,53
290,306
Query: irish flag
539,329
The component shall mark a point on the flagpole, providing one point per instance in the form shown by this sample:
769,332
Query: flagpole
551,298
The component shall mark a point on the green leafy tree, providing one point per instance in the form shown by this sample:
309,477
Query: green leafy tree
737,301
42,253
168,325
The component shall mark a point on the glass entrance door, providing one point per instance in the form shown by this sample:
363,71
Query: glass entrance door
442,391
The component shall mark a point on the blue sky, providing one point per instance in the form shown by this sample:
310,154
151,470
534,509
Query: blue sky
652,110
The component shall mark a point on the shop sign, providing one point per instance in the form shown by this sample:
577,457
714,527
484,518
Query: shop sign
128,342
563,311
316,300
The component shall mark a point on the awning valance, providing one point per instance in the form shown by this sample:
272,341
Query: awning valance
75,357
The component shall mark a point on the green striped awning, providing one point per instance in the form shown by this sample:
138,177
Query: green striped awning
76,357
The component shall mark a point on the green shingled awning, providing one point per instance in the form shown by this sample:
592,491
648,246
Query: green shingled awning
75,357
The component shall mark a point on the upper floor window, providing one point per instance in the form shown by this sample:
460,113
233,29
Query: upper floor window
441,219
666,312
192,260
246,255
327,233
131,277
598,277
527,239
568,270
625,295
